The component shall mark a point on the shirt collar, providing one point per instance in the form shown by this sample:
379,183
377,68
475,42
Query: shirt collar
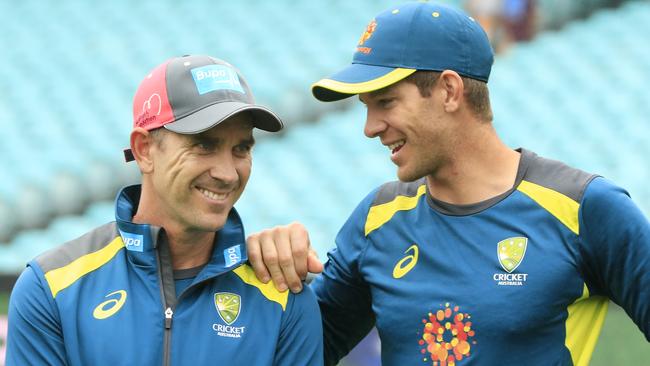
230,243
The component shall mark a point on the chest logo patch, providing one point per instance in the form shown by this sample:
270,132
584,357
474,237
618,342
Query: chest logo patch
228,306
446,337
407,263
109,307
511,252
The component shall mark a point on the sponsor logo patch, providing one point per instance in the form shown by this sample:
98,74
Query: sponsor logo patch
367,33
133,242
210,78
232,255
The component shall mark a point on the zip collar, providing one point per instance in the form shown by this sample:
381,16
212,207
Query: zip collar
141,240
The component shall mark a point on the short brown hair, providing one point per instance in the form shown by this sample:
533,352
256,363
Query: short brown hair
476,92
157,134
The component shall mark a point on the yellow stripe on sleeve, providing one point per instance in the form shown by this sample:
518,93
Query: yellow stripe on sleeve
583,326
269,291
381,214
562,207
60,278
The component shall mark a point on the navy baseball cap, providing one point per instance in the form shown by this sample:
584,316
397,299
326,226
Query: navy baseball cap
191,94
404,39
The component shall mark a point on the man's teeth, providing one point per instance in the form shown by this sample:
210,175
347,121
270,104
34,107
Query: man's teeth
212,195
396,145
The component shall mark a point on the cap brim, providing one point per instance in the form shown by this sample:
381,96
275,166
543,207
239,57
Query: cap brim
211,116
357,79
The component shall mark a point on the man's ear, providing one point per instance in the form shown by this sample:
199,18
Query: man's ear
453,87
141,144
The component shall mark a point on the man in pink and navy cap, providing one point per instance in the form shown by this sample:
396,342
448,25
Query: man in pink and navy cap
167,282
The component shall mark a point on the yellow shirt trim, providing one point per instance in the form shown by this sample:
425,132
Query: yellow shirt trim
583,326
366,86
60,278
269,291
562,207
381,214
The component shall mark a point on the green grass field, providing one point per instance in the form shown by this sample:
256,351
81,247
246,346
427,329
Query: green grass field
4,302
620,343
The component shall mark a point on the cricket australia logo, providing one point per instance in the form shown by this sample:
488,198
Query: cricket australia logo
511,252
228,307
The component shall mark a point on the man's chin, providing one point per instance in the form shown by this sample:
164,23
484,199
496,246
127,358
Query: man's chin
212,223
407,177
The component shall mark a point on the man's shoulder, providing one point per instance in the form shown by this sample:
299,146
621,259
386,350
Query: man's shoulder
66,264
556,176
66,253
246,274
390,191
384,202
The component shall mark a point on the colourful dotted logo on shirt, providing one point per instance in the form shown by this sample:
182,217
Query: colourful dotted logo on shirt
446,336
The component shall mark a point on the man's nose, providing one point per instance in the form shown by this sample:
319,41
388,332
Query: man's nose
375,125
223,169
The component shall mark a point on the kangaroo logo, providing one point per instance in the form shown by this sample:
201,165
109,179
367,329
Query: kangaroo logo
370,29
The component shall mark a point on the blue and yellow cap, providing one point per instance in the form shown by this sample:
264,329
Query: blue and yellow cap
410,37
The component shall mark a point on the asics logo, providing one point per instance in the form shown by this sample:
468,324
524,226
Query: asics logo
109,307
407,263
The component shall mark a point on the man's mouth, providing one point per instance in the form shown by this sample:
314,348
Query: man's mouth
396,146
213,195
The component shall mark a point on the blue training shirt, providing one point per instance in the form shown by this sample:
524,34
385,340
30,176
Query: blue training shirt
108,298
520,279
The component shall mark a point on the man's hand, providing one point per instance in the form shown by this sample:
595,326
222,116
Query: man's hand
283,254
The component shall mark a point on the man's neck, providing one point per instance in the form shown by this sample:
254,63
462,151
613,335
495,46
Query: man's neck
188,248
481,169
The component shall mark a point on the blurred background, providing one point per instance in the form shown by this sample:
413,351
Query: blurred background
569,82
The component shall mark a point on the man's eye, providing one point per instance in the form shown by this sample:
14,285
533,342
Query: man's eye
206,146
244,148
385,102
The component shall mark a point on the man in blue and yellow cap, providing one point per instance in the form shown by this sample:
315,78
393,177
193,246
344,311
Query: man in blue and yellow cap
479,254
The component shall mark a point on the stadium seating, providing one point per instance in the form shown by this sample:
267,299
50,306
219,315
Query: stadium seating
67,115
70,69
